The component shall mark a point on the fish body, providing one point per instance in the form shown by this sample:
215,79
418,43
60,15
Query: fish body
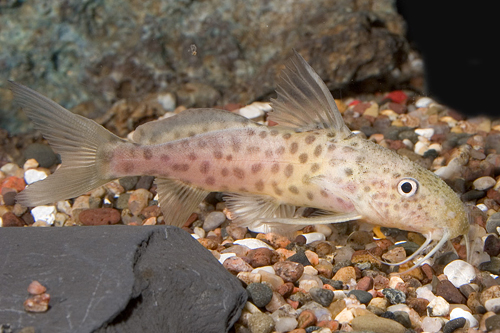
311,159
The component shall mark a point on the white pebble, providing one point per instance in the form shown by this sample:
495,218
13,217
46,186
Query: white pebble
307,282
345,316
34,175
224,256
432,324
195,236
30,164
199,231
10,169
310,270
44,213
482,207
408,143
395,281
461,313
339,294
423,102
492,305
421,147
425,132
325,229
254,110
484,183
213,220
436,146
285,324
425,292
268,269
313,237
167,101
459,272
252,243
438,307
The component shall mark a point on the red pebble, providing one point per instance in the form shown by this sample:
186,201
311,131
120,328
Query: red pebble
36,288
14,182
9,219
397,96
355,102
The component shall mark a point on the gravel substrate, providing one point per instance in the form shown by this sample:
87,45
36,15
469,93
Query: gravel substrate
329,277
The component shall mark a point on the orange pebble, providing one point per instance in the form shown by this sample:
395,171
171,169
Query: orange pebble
294,304
36,288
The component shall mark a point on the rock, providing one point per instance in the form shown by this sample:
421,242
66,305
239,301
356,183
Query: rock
376,324
9,219
138,200
314,237
492,245
285,324
42,153
37,303
259,294
493,323
252,243
345,274
145,182
419,305
35,288
461,313
235,231
432,324
301,258
198,294
459,272
277,302
492,266
44,213
395,254
365,283
236,265
492,305
394,296
306,318
454,324
363,297
493,223
484,183
99,216
321,296
289,271
307,282
403,318
260,323
33,175
261,257
438,307
449,292
128,183
213,220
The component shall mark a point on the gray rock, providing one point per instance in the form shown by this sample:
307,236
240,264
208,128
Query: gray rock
260,294
128,183
116,279
42,153
493,323
213,220
261,323
394,296
403,318
492,223
363,296
300,257
322,296
454,324
232,49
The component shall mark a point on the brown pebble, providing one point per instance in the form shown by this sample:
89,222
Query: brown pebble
9,219
306,319
325,269
99,216
345,274
151,211
236,232
333,325
324,248
419,305
298,330
208,243
380,282
365,283
236,264
37,303
277,240
285,289
449,292
36,288
289,271
261,257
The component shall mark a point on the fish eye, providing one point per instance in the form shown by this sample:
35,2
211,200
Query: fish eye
407,187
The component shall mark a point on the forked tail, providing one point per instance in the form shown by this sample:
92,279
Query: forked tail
75,138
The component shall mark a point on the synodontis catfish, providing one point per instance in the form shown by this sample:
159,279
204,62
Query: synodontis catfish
311,159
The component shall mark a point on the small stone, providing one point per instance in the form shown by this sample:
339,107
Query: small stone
99,216
492,305
260,323
395,254
394,296
277,240
285,289
271,279
325,269
211,244
260,257
30,163
365,283
139,200
289,271
324,248
403,318
376,324
306,282
128,183
419,305
314,237
438,307
145,182
321,296
277,302
9,219
312,257
432,324
300,257
493,323
306,318
252,243
493,223
363,297
259,294
14,182
213,220
248,277
490,293
484,183
236,232
46,214
461,313
459,272
37,303
492,266
449,292
236,265
345,274
42,153
36,288
285,324
33,175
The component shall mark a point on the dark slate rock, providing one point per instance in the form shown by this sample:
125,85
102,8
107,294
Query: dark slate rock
116,279
394,296
260,294
42,153
128,183
403,318
322,296
336,284
492,266
363,297
453,325
145,182
300,257
493,323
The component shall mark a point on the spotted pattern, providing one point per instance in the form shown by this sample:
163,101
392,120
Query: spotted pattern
180,167
288,170
280,150
210,180
239,173
348,172
218,154
128,167
294,147
256,167
224,172
192,156
318,150
253,149
268,153
164,158
259,185
205,167
276,189
287,136
323,193
310,139
303,158
274,132
293,189
202,144
263,134
310,196
275,168
148,154
314,167
229,158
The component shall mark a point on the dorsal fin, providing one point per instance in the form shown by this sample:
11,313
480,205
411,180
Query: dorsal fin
304,102
189,123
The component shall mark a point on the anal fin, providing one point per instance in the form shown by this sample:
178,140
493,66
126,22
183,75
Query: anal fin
178,200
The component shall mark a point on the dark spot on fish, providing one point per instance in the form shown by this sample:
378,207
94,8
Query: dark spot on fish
275,168
303,158
331,147
180,167
367,188
177,135
229,157
128,167
294,147
251,132
314,167
395,207
164,158
348,172
218,154
242,189
310,196
274,132
406,205
259,185
263,134
288,170
280,150
360,159
276,189
204,129
253,149
239,173
256,167
318,150
210,180
192,156
202,144
224,172
204,167
107,156
347,149
287,136
419,207
393,197
310,139
323,193
293,189
236,144
354,144
396,175
269,153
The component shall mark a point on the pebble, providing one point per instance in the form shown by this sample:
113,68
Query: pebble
484,183
314,236
213,220
260,257
99,216
285,324
493,223
36,288
260,323
33,175
236,265
37,303
363,297
259,294
395,254
432,324
246,277
438,307
289,271
459,272
44,213
376,324
138,200
254,110
403,318
271,279
252,243
300,257
306,318
394,296
449,292
307,282
493,323
9,219
460,313
322,296
223,258
42,153
345,274
277,302
492,305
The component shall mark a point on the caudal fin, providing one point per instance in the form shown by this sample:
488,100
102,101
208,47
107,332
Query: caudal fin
75,138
